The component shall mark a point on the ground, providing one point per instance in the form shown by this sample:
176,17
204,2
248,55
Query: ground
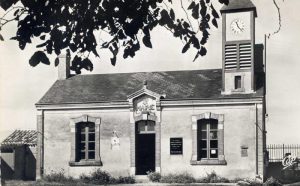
30,183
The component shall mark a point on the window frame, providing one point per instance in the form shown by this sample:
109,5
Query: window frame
147,124
74,123
86,141
208,123
239,89
220,160
237,82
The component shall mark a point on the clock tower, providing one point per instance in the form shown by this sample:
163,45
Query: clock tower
238,47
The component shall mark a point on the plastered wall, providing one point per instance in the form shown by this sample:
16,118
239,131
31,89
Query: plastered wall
239,130
57,142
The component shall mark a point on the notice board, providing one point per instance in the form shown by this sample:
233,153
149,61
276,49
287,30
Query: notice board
175,145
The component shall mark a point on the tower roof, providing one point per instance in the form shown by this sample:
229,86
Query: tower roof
239,5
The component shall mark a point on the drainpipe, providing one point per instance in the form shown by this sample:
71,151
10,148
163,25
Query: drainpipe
40,145
256,139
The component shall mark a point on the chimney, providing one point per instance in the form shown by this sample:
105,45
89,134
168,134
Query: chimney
64,66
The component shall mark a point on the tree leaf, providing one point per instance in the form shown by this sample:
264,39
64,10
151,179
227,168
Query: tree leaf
56,62
214,22
146,31
95,52
186,46
87,64
1,38
192,5
39,57
195,11
226,2
113,60
196,56
43,37
203,51
16,12
172,14
195,42
42,45
22,45
147,41
203,9
214,12
165,18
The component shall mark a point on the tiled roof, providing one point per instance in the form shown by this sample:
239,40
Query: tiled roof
195,84
238,5
21,137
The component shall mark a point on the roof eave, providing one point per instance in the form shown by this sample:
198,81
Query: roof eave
240,10
125,103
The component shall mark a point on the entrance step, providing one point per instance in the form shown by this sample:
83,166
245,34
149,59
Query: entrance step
141,179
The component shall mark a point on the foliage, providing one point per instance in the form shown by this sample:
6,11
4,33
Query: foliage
186,178
247,181
102,177
154,176
96,177
272,182
212,178
178,178
122,180
58,176
122,26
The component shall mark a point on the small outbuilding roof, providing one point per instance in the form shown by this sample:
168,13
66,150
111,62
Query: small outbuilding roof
21,137
176,85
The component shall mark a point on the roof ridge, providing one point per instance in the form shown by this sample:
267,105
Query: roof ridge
148,72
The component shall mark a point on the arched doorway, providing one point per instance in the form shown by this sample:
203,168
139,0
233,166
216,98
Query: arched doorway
144,146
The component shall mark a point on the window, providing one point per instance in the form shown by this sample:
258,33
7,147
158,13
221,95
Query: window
145,126
85,141
237,82
207,139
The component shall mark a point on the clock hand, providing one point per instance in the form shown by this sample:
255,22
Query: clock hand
241,29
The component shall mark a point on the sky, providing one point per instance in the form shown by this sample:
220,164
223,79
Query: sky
21,85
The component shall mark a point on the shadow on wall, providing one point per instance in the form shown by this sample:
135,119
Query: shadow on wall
30,163
259,65
6,171
18,163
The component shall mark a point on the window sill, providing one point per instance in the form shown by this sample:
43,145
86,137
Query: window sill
85,163
209,162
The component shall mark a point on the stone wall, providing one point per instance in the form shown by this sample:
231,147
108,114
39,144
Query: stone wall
57,141
239,130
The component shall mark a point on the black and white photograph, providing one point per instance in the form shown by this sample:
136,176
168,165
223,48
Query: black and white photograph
150,92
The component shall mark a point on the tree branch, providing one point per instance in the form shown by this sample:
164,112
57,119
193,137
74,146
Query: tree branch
186,15
279,20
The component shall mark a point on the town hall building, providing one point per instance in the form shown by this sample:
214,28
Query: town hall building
196,121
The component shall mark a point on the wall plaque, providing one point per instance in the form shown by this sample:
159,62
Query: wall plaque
175,146
115,141
244,151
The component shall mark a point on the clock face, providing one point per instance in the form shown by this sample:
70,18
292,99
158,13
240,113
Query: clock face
237,26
